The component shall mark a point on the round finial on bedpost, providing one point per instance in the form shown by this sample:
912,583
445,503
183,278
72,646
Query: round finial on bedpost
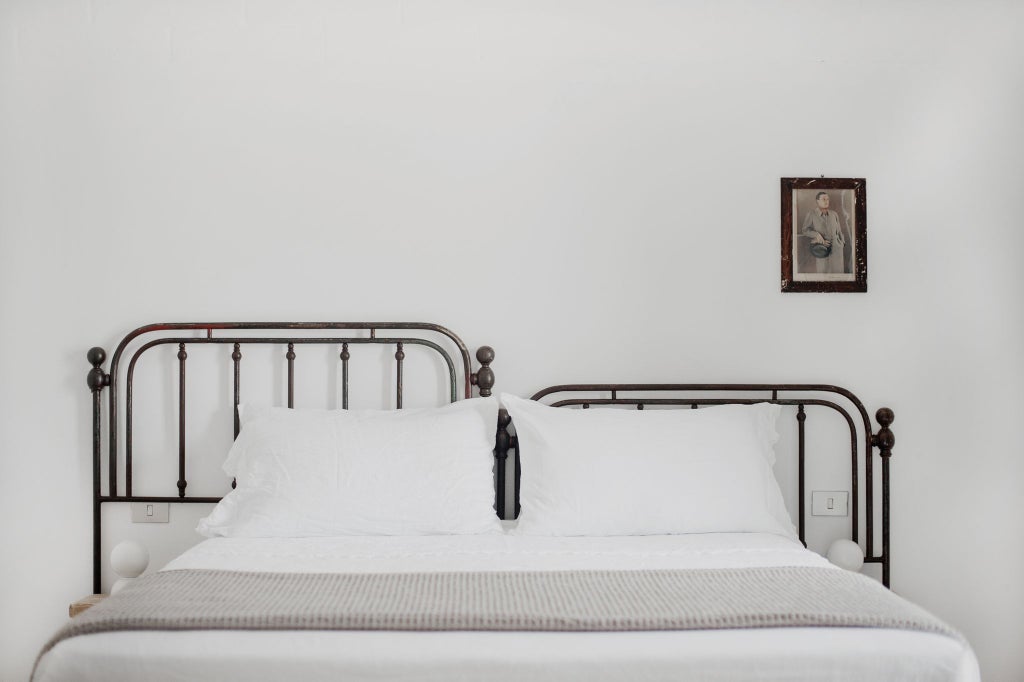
884,439
96,378
503,437
884,416
484,378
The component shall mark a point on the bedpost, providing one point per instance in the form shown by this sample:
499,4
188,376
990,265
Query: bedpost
884,440
96,380
502,442
484,378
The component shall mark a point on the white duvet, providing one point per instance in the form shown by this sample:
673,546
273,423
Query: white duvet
818,654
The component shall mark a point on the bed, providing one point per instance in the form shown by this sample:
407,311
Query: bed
557,540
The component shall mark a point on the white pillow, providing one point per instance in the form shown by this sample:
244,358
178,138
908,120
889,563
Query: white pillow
306,473
631,472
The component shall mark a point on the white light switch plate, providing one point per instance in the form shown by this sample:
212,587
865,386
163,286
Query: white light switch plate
150,512
830,503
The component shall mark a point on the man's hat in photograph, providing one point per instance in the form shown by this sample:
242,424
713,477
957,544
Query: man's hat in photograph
821,250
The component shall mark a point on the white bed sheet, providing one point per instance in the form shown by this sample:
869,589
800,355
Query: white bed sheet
792,654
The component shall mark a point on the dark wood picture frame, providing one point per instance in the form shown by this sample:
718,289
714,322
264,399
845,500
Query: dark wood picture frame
836,265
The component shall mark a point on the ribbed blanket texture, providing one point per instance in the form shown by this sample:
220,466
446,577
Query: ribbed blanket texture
604,600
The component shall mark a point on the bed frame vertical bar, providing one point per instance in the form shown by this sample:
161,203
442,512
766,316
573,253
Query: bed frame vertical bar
182,356
483,379
884,440
345,355
519,475
399,358
885,520
236,358
96,380
129,404
869,496
801,417
855,489
501,444
112,437
290,355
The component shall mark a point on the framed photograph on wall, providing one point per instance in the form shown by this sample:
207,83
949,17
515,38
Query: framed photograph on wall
824,234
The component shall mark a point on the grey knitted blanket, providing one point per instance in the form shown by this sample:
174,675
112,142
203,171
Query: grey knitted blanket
555,601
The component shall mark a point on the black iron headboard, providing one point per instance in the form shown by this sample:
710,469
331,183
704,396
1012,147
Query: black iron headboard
461,379
799,395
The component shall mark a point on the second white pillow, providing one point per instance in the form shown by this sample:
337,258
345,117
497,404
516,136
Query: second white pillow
651,472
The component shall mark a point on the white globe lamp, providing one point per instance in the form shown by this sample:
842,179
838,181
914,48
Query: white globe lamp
846,554
129,560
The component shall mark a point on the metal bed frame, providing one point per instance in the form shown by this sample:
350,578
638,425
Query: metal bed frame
184,335
415,333
800,395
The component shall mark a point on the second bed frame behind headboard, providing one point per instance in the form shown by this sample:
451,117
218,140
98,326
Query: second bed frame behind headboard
461,379
801,396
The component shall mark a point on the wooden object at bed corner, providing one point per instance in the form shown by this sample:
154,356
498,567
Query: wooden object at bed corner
84,604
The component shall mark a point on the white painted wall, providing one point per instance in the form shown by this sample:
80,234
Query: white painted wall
605,174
